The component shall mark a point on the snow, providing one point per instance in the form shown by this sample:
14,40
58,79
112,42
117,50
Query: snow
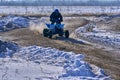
103,37
18,69
11,22
7,49
39,63
36,10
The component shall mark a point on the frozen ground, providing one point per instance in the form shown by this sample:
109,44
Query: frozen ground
7,49
103,37
11,22
39,63
69,67
37,10
101,30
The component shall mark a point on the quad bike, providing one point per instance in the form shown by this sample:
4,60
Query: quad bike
53,29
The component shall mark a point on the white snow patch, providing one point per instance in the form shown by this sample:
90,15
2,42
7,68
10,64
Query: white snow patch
39,63
103,37
11,22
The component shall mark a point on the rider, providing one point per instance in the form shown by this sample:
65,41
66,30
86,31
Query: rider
56,17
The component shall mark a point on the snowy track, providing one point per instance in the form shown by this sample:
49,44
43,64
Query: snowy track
97,56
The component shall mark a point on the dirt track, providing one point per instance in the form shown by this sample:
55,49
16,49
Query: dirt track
97,56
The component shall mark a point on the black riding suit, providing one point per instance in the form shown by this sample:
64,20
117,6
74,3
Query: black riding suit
56,17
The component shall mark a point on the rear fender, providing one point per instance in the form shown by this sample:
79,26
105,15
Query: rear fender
60,26
52,27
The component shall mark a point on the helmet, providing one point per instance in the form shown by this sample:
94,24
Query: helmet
56,10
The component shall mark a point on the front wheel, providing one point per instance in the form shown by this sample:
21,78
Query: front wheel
66,34
45,32
50,34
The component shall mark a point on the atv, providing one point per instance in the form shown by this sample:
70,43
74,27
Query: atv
53,29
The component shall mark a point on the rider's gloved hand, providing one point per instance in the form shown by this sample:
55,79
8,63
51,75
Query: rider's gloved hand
58,21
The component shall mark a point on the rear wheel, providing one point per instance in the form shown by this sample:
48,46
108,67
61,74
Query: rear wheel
61,32
45,32
50,34
66,34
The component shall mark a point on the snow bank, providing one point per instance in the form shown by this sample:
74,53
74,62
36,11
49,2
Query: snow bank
58,65
103,37
11,22
87,28
7,48
39,63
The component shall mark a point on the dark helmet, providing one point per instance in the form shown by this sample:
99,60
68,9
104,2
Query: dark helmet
56,10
